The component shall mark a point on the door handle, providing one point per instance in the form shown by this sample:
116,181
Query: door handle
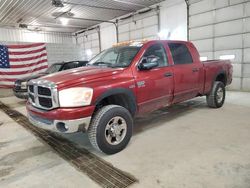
168,74
195,69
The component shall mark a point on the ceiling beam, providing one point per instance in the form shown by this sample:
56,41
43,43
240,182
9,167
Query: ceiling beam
131,3
89,19
95,6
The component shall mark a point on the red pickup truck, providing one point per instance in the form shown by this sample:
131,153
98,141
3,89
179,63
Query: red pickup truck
120,83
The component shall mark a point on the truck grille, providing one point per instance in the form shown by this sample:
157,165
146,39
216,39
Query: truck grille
45,102
43,94
44,91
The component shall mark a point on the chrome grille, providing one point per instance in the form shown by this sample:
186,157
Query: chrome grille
43,94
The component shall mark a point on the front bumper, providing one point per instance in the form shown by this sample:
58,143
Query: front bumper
21,94
60,126
62,120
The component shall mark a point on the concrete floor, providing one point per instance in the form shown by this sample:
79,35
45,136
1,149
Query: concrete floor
188,145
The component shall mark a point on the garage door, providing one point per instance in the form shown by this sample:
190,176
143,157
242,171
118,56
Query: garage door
221,29
138,27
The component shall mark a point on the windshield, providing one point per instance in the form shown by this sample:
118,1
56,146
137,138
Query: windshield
53,68
115,57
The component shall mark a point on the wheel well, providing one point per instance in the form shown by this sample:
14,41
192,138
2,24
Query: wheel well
221,77
118,99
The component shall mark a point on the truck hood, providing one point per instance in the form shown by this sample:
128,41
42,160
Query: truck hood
28,78
81,75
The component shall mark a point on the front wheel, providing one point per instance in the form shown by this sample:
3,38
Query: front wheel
216,97
111,129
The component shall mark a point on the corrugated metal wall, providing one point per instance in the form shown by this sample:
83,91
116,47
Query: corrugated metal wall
222,27
19,35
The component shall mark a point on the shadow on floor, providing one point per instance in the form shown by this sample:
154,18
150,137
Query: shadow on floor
160,117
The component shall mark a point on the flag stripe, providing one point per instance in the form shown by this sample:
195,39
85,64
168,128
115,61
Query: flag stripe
18,46
6,87
25,49
27,52
18,59
6,71
29,65
8,79
26,55
23,75
24,72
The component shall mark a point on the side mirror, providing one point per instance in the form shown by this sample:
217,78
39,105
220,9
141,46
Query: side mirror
148,63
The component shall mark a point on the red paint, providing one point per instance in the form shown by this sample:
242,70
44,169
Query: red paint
159,91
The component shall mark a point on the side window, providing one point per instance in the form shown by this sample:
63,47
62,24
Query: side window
159,51
180,53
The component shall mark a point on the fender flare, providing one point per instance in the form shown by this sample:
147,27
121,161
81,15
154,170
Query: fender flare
216,75
127,92
222,72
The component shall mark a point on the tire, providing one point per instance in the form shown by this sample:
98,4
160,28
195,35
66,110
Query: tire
216,97
107,132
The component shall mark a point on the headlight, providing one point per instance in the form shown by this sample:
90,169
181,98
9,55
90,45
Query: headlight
75,97
23,85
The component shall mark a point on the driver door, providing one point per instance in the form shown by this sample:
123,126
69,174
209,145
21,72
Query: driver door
155,86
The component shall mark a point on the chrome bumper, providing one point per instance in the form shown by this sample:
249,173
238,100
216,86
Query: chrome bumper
60,126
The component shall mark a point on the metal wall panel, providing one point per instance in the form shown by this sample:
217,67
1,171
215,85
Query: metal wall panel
229,28
237,73
246,70
246,40
229,13
247,25
221,3
246,84
247,55
201,33
228,42
205,45
201,6
18,35
201,19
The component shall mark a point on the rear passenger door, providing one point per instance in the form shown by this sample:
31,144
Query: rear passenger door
186,72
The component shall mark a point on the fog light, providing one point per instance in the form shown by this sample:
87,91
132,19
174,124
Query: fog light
62,127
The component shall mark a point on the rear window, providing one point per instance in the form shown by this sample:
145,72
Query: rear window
71,65
180,53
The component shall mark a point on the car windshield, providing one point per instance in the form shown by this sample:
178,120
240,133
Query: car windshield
115,57
53,68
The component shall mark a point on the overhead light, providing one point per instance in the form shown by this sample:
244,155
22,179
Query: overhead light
89,53
57,3
24,26
227,57
204,58
64,21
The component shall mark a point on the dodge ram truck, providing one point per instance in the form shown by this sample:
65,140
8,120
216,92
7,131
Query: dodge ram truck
127,80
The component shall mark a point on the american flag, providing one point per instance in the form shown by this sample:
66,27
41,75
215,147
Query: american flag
18,61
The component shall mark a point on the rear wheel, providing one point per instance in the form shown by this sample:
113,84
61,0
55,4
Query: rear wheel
111,129
216,97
